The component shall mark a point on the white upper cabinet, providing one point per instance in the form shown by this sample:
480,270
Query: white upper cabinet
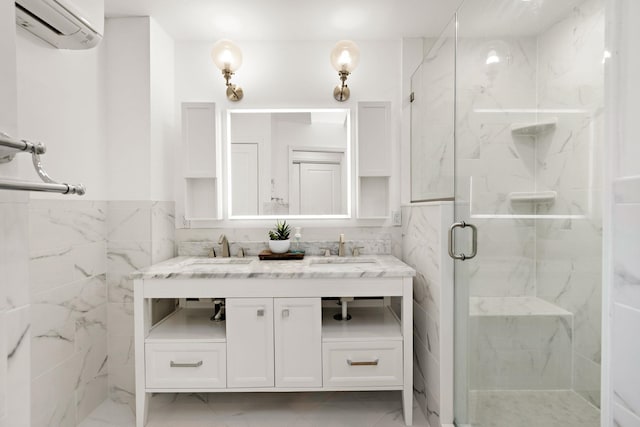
201,165
199,140
374,139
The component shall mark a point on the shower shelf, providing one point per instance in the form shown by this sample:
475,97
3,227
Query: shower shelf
514,306
533,197
535,128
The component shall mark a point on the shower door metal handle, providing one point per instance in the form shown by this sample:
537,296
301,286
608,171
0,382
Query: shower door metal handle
474,241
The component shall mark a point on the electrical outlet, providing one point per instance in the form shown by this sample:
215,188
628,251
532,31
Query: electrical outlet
396,218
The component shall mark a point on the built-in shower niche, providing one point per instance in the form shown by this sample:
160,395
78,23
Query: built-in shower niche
532,163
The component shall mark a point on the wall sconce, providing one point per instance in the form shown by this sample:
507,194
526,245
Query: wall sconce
344,58
228,57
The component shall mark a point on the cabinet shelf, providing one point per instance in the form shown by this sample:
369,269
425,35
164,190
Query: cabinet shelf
533,197
188,325
366,324
534,128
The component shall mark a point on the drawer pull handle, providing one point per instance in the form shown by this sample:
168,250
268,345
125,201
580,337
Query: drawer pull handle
285,313
372,363
261,312
185,365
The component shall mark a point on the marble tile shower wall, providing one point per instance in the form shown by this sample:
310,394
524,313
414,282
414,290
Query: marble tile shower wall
67,248
626,300
569,251
139,234
15,312
491,164
422,248
624,238
558,260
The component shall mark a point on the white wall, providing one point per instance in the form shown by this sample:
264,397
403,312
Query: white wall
60,103
295,74
162,113
128,108
140,109
288,74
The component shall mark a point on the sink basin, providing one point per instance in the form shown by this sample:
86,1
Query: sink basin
220,261
337,262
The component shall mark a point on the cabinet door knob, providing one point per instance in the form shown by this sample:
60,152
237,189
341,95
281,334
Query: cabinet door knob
261,312
285,313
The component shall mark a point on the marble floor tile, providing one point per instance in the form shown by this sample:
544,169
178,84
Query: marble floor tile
544,408
326,409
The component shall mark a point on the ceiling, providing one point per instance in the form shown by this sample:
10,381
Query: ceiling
494,18
208,20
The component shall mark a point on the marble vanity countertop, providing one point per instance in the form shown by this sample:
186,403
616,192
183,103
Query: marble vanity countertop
311,267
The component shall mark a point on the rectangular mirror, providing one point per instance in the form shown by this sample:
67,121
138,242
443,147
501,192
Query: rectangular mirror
286,163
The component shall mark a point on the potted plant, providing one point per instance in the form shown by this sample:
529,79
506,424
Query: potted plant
279,238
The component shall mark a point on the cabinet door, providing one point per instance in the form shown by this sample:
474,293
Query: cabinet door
374,139
201,165
199,150
321,189
249,342
298,342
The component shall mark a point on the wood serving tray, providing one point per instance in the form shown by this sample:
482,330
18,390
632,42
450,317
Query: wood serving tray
267,255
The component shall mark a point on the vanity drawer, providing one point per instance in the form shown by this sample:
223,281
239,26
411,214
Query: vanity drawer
186,365
362,363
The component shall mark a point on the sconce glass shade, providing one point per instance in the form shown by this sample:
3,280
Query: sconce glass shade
345,56
497,53
226,55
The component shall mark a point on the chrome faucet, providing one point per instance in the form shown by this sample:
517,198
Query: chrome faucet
225,246
341,245
212,252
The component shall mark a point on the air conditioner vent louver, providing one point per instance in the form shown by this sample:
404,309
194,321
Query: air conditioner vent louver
57,23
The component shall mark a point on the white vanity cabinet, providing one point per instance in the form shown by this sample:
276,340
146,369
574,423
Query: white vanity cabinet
279,335
274,342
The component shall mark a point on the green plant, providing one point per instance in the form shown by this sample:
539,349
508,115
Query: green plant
281,232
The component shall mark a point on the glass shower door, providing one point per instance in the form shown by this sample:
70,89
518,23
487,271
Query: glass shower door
529,97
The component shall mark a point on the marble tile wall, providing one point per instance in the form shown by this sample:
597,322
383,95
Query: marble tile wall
625,349
376,240
559,260
67,284
139,234
622,240
491,163
15,311
432,117
423,239
569,160
202,247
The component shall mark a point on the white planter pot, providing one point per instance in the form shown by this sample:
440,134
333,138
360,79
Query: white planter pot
279,246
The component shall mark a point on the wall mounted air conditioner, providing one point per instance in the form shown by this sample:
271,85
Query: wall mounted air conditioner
65,24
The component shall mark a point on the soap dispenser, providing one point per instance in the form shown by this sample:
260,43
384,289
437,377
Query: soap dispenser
297,236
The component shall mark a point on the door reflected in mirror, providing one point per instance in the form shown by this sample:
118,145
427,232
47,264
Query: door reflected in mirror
289,163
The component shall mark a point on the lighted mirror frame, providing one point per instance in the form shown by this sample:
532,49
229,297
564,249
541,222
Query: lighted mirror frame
348,158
